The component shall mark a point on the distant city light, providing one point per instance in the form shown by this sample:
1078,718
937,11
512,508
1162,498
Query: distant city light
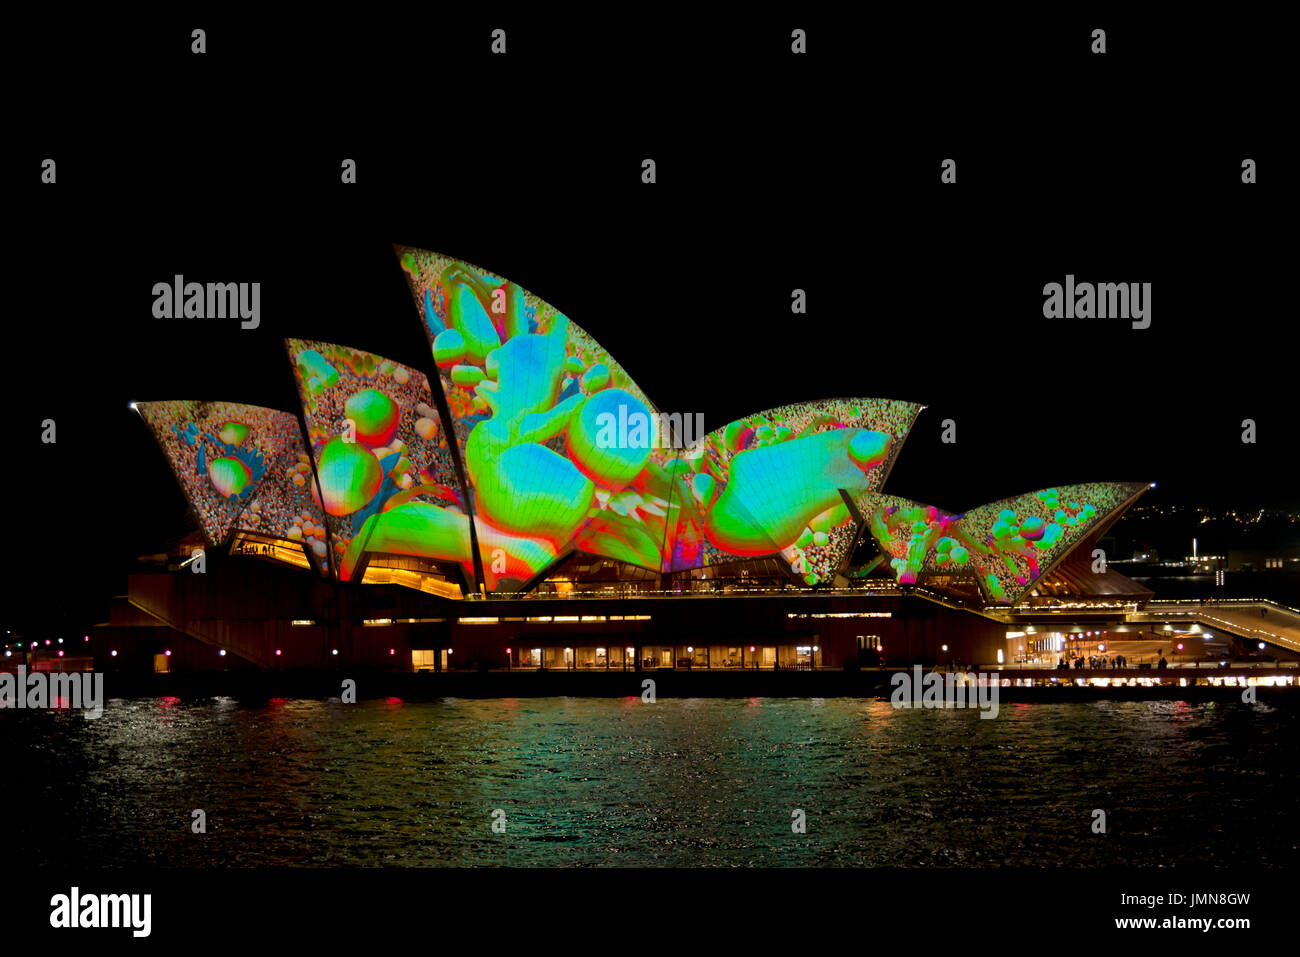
277,651
222,652
60,641
334,651
113,653
60,652
1261,646
168,652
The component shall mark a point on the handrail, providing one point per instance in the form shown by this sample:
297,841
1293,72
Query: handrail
1220,602
614,592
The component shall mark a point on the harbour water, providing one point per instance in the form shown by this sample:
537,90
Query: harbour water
680,782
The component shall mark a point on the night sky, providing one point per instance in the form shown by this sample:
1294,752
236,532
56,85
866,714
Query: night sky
772,174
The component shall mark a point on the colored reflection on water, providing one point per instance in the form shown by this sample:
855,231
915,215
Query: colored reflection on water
679,782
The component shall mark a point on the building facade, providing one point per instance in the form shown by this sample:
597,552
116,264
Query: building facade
522,504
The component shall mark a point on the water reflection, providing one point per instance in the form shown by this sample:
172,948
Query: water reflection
678,782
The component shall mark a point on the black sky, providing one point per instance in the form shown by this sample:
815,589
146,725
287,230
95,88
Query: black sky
774,173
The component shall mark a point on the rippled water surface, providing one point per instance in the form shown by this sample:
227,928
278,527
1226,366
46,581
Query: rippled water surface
585,781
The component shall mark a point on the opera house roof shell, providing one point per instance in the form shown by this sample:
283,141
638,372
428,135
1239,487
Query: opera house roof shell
529,442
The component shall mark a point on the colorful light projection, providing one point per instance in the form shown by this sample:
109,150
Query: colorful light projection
771,483
1020,537
377,442
1006,545
241,467
529,392
530,396
914,537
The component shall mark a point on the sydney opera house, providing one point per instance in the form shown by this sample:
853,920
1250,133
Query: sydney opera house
520,503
